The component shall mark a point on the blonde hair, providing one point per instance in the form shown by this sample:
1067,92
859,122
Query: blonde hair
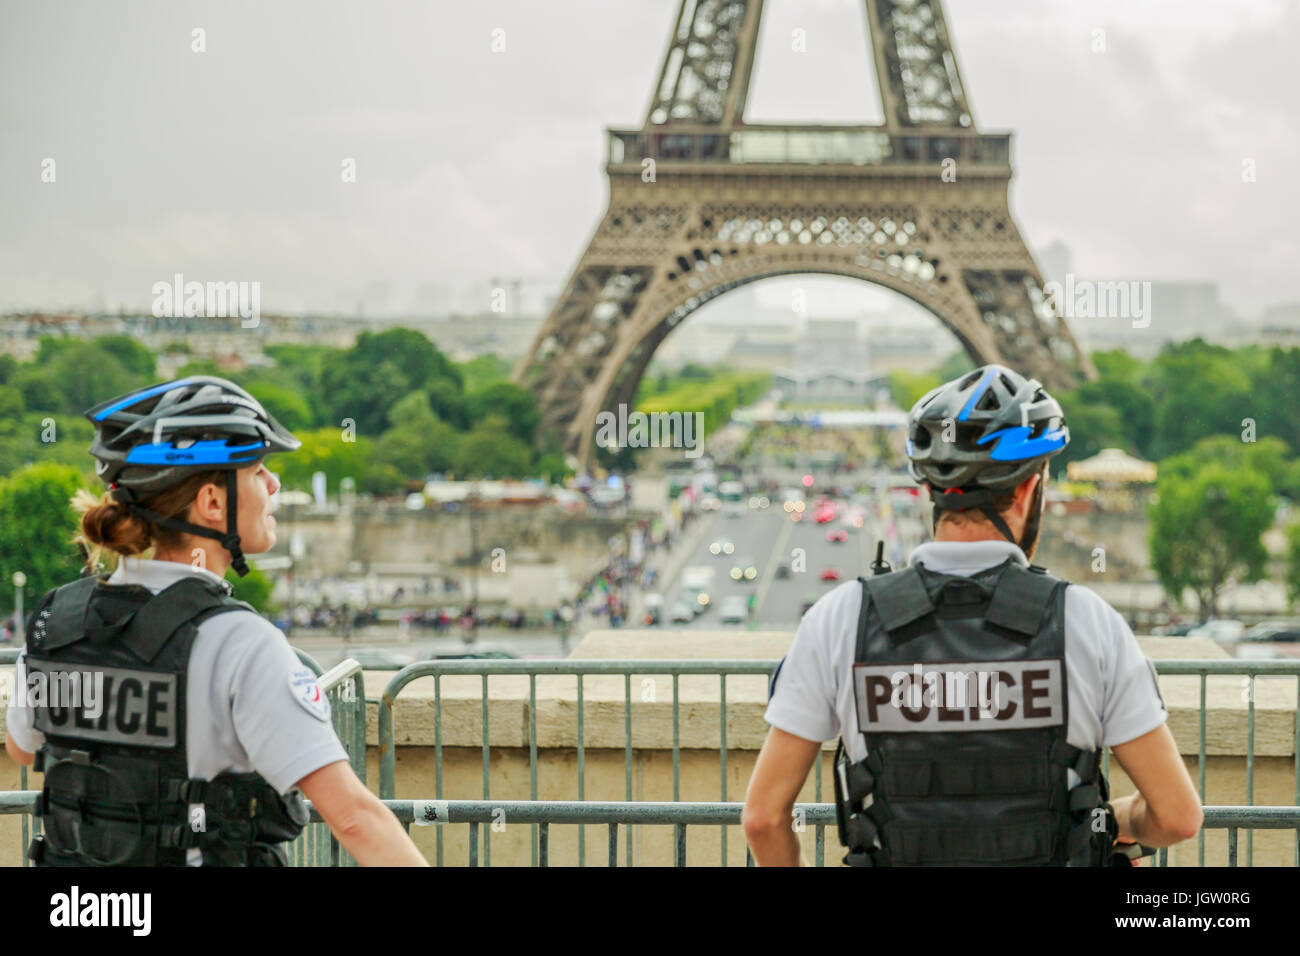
107,525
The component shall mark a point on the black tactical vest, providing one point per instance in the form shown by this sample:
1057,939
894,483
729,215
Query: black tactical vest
963,700
106,673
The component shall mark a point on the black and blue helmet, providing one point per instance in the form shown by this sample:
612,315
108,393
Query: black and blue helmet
983,434
992,428
153,438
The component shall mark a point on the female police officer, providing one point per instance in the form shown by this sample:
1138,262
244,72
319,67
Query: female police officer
173,724
973,691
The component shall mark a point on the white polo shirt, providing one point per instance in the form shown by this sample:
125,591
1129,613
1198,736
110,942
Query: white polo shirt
1113,696
251,705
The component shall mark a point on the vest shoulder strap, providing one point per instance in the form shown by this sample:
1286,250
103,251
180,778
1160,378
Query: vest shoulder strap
900,598
1020,599
190,599
63,621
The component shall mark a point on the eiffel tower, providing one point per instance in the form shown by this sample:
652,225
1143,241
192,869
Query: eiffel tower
701,202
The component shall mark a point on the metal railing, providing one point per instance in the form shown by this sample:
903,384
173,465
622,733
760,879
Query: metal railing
349,720
1249,671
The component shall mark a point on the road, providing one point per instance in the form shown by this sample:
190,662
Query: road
768,538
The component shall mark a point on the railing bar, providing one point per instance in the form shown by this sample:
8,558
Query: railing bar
437,749
680,833
582,775
1250,767
532,759
543,843
820,844
1232,846
1200,763
613,844
473,844
487,725
677,746
627,751
722,750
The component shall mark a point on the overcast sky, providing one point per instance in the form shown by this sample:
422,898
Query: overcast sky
225,165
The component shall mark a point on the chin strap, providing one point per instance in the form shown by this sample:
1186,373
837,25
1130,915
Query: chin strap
955,499
230,540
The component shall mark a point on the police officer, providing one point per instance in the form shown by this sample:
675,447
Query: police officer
173,724
973,692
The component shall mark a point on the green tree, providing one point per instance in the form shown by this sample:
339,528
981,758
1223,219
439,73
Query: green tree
36,528
1293,562
363,382
490,451
1092,428
253,588
133,356
516,404
286,406
419,442
1197,390
325,450
1206,529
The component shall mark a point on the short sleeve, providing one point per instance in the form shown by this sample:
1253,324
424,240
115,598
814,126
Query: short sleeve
1132,705
19,719
281,715
803,698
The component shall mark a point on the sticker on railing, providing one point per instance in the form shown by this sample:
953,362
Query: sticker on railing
429,813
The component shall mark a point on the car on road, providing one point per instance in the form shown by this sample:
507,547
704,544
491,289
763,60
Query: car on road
809,600
1280,631
1219,629
782,571
744,568
830,574
682,613
697,599
824,514
837,536
722,546
473,656
379,659
733,610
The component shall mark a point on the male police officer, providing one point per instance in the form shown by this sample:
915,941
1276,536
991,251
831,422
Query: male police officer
973,691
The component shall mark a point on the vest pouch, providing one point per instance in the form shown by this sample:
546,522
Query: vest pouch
1027,841
76,838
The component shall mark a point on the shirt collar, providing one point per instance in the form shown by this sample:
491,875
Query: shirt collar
965,557
156,575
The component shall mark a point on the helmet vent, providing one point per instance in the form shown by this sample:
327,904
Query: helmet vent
988,402
1008,384
969,380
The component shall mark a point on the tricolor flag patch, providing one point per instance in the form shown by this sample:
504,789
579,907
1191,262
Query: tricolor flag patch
306,691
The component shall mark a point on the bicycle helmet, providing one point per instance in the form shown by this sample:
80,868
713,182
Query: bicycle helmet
153,438
982,434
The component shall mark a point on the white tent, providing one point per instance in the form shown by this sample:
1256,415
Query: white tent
1114,466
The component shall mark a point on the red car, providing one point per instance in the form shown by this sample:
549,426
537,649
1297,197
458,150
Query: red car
841,536
824,514
830,574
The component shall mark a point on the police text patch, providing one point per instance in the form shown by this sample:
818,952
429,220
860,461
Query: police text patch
959,696
112,704
306,691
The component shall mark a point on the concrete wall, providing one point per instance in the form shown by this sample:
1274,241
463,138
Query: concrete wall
699,738
532,536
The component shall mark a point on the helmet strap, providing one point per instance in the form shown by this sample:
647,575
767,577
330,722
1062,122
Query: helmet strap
230,540
954,499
